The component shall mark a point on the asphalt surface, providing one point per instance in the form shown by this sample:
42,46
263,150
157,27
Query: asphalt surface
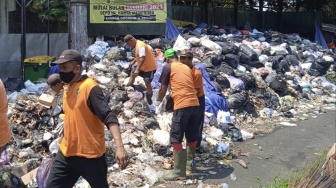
279,153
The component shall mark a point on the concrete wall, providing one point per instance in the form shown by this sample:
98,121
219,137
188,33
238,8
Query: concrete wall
5,7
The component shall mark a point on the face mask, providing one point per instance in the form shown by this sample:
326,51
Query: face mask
66,77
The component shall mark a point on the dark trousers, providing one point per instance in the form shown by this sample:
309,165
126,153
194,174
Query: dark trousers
185,122
201,100
65,171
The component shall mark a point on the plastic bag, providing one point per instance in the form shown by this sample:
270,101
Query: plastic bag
237,100
194,41
244,59
223,82
152,176
12,97
232,60
293,60
13,84
249,81
115,54
227,69
278,85
208,44
4,159
249,52
217,60
215,133
54,146
43,172
161,137
181,44
223,117
236,83
319,68
229,49
158,43
98,48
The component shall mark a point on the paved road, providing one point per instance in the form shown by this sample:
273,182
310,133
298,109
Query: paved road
283,152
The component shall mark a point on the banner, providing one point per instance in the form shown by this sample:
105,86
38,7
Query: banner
135,11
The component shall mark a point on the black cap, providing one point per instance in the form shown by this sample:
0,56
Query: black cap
128,38
186,53
68,55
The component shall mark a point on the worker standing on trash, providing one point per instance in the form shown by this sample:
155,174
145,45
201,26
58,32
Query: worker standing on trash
186,57
146,64
185,121
5,133
82,149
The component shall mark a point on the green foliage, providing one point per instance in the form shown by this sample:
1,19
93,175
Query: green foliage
297,177
58,10
278,183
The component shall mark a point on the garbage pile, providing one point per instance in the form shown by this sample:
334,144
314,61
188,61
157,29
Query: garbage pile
265,80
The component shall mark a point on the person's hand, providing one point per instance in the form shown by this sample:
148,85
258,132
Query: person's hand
136,72
122,157
130,65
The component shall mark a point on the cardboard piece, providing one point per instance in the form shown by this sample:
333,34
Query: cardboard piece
332,152
29,177
47,100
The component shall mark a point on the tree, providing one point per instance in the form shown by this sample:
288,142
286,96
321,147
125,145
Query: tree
58,11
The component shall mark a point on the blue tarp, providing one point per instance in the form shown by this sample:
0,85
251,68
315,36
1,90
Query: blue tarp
54,69
171,30
214,99
155,82
319,37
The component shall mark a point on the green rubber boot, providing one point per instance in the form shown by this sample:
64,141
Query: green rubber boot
179,171
190,159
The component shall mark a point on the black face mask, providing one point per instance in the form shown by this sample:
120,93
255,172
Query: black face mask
66,77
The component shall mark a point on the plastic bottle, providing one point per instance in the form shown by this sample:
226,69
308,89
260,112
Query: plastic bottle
270,112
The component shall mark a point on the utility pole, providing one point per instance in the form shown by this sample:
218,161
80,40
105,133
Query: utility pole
78,25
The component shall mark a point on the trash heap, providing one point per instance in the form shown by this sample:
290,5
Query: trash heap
267,79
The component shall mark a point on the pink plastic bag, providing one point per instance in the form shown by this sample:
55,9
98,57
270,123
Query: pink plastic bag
4,159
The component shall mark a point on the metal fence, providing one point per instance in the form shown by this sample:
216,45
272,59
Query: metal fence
36,44
291,22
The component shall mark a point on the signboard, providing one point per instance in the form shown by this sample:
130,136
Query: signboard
130,12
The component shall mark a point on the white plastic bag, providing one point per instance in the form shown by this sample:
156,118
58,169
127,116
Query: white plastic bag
161,137
223,117
181,44
212,46
152,176
194,41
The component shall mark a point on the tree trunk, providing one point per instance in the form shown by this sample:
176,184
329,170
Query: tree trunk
78,25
